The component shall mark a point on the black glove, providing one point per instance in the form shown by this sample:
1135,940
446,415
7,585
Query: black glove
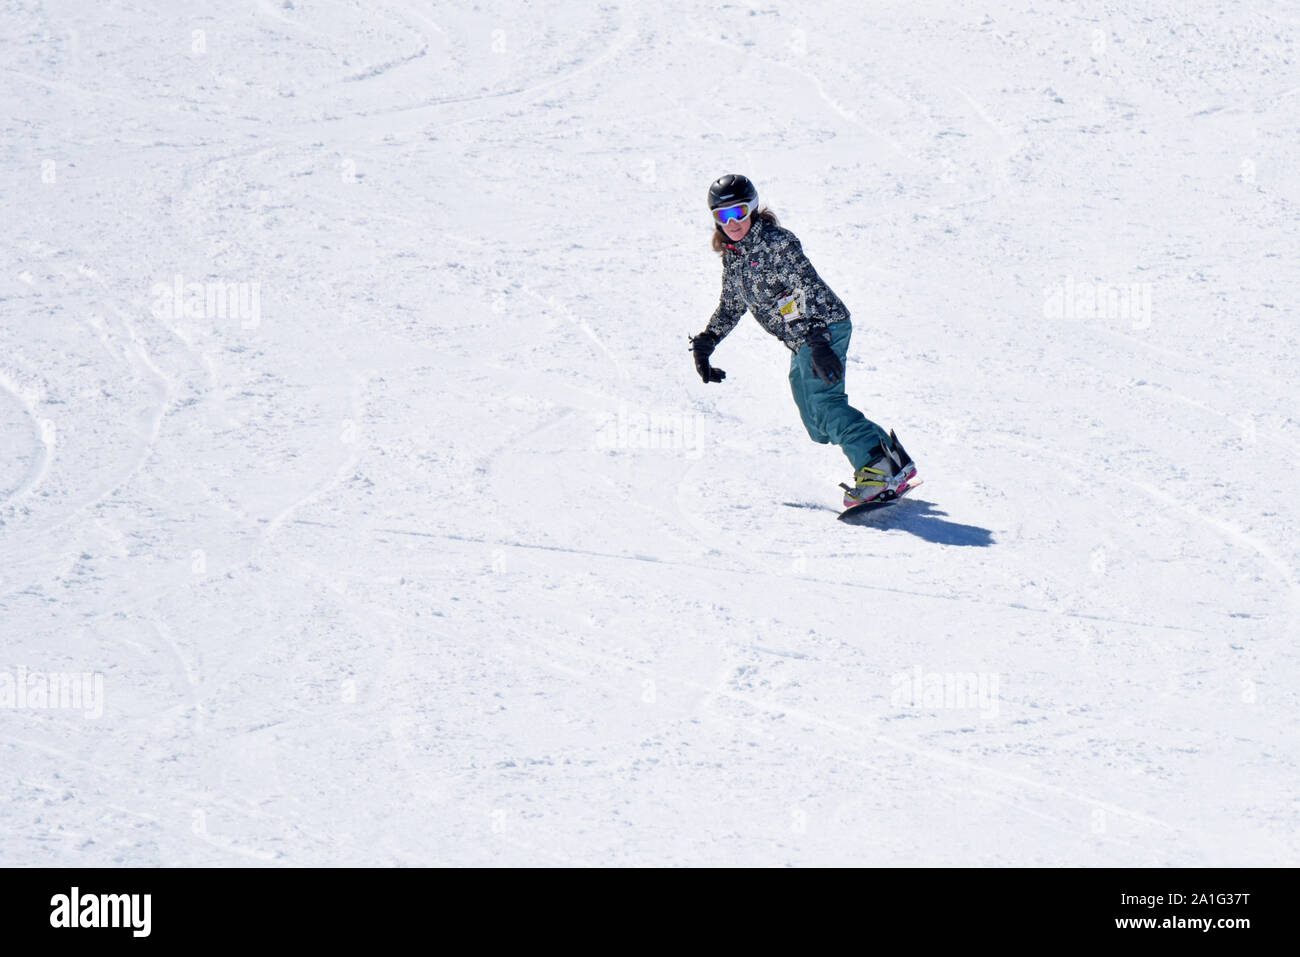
826,364
703,346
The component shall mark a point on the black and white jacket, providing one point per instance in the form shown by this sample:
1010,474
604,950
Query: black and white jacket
760,273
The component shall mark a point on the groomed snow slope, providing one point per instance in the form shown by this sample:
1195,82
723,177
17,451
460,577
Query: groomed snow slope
438,552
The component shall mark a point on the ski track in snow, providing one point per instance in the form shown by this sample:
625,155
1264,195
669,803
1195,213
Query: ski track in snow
397,573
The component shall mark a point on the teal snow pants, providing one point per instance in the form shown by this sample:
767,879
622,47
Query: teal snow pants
825,409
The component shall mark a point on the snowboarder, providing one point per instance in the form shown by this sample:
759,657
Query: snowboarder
765,271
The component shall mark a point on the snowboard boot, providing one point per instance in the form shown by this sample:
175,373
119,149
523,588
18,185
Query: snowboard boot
885,477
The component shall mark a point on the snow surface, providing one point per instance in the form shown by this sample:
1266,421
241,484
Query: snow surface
398,569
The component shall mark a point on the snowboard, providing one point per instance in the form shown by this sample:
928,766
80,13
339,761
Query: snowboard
876,504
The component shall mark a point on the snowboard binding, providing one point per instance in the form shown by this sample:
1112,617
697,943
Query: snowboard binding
886,479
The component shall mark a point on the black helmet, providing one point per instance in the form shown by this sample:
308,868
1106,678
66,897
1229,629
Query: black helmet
732,188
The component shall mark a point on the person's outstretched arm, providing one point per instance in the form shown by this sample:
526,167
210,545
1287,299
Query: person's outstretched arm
731,306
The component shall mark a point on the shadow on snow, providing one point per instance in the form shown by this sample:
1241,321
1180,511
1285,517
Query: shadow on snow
925,521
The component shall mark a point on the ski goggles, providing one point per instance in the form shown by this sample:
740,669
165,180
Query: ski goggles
726,214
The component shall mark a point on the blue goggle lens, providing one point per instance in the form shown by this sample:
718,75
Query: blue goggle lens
726,214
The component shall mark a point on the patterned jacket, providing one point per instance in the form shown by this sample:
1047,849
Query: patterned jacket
763,270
